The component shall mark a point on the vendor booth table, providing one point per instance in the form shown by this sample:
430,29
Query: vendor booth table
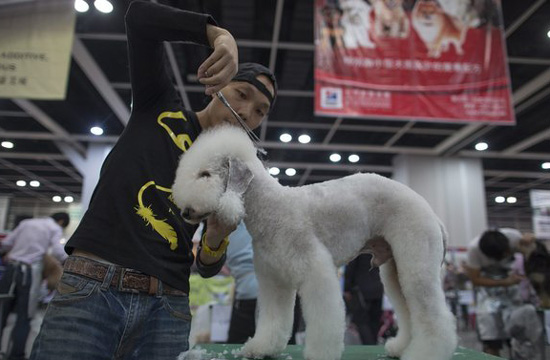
294,352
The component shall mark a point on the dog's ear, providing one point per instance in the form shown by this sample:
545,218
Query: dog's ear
239,176
231,208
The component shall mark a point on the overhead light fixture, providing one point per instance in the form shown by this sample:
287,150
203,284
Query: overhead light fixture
500,199
481,146
21,183
285,137
56,198
511,200
335,157
274,171
104,6
548,33
34,183
290,172
7,144
353,158
96,130
545,165
81,6
68,199
304,139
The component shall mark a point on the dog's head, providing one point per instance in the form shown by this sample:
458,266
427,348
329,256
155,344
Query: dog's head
211,178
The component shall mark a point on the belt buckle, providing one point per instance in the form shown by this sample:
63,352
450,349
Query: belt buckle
121,287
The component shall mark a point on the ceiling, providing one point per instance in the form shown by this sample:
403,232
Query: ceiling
279,34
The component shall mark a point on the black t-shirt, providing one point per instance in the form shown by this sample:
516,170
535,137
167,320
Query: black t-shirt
132,220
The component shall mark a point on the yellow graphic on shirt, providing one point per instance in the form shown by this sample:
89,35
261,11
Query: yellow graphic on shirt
182,141
160,226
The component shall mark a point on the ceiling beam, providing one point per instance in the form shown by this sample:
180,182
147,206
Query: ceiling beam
31,156
523,17
399,134
24,190
33,176
36,113
528,61
8,113
100,81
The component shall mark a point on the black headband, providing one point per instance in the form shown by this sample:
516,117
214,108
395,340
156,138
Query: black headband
249,71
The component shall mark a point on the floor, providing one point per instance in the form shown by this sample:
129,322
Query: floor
467,337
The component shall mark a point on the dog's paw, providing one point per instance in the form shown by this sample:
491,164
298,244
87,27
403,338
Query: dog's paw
255,349
395,346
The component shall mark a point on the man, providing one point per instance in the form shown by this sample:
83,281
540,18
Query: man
500,312
28,244
364,292
124,291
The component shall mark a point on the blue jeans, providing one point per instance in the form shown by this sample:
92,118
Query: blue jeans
89,320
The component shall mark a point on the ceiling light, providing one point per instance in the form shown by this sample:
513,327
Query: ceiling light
500,199
104,6
290,172
481,146
353,158
304,139
7,144
511,200
274,171
285,137
96,130
21,183
34,183
545,165
56,198
81,6
548,33
68,199
335,157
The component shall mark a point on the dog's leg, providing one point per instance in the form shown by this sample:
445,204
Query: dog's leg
388,274
433,326
275,318
323,309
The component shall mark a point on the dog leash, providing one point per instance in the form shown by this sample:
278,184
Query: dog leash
253,137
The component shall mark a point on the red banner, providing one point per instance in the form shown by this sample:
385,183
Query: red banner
429,60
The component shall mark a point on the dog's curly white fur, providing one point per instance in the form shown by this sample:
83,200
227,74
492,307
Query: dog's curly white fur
302,234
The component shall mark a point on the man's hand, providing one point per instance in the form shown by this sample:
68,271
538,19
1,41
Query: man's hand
222,65
513,279
216,231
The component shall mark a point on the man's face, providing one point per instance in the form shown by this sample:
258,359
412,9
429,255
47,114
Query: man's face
247,101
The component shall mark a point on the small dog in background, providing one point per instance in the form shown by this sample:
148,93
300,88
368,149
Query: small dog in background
436,28
356,23
332,31
537,269
390,19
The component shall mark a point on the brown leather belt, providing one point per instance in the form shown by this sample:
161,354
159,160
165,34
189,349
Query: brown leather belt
124,279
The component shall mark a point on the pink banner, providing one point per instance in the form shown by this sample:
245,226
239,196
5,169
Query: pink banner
429,60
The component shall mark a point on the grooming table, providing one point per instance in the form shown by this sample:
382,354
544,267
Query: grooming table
356,352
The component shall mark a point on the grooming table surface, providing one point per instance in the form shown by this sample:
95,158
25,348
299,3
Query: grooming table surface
294,352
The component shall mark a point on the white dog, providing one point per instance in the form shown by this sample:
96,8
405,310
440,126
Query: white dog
356,24
302,234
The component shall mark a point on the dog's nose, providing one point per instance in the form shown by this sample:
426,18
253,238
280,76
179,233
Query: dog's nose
187,212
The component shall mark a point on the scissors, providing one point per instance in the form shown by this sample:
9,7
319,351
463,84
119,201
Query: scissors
255,139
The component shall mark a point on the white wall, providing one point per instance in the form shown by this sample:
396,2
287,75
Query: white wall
454,188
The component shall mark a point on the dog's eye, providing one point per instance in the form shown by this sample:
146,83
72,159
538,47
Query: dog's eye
204,174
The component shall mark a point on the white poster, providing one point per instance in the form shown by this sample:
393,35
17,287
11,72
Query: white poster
540,202
35,48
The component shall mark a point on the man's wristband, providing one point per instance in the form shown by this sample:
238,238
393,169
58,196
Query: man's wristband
214,253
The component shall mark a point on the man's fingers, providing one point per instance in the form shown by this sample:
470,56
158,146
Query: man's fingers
204,69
